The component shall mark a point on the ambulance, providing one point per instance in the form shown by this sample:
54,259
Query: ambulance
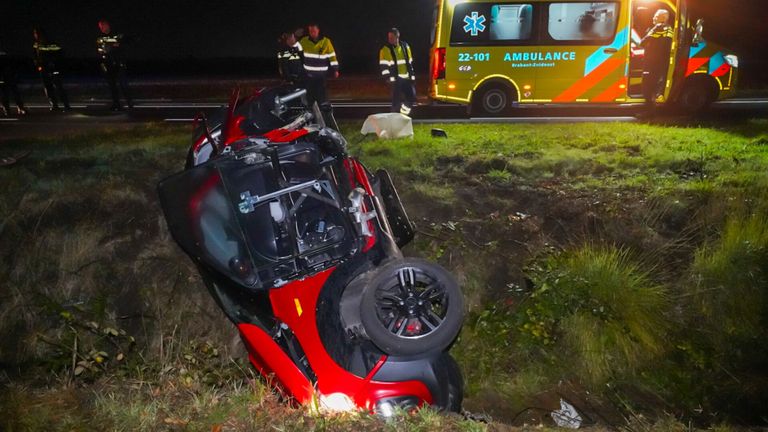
494,55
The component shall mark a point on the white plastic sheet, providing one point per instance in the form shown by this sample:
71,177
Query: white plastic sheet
567,416
388,125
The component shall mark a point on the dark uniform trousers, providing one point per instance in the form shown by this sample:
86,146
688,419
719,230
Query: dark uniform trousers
653,83
8,88
118,82
8,84
316,91
657,43
403,90
54,89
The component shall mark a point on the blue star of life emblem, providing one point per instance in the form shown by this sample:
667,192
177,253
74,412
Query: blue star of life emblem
475,23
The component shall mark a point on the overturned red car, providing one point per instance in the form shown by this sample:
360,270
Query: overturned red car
299,244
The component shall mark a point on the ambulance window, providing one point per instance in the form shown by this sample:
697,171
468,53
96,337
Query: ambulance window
575,22
492,24
511,21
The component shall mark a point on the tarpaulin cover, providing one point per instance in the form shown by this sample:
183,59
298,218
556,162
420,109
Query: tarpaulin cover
388,125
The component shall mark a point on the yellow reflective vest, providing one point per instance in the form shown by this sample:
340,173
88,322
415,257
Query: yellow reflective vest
319,57
396,61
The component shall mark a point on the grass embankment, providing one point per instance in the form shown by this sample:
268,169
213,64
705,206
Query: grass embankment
621,267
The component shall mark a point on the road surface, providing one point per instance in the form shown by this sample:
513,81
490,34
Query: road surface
93,115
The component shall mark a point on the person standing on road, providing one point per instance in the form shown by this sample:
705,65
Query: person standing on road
396,63
47,55
658,46
110,49
319,63
8,85
290,59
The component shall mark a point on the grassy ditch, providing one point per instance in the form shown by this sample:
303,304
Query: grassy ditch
620,267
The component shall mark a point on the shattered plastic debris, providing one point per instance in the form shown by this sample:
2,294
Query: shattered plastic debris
567,416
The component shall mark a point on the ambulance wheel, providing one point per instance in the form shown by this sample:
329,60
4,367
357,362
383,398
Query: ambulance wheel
697,95
493,100
412,306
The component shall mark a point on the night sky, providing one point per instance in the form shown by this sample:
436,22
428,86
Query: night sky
173,29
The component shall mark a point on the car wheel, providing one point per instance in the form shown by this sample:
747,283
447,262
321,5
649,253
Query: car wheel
412,306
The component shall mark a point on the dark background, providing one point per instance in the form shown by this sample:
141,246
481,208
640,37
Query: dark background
174,37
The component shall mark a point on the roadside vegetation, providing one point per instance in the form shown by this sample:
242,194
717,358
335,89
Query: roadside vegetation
620,267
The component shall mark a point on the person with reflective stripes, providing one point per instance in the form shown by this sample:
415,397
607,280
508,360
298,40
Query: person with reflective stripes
110,49
47,54
290,58
396,64
657,44
320,62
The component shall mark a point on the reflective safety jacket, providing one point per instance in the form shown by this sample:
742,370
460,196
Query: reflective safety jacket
658,46
319,57
46,55
396,62
110,49
290,62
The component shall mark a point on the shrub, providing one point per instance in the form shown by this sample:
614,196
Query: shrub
596,312
730,280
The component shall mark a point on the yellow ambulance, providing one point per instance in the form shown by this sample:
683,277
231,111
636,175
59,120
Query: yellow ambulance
493,55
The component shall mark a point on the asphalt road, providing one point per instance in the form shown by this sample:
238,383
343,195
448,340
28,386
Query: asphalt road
94,115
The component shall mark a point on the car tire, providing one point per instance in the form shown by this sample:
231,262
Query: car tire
412,306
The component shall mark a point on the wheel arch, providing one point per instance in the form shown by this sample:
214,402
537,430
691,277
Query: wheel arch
707,81
497,79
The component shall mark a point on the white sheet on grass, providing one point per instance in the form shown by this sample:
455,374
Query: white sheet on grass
388,125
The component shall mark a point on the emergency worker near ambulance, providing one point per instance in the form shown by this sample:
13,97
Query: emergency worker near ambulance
320,62
396,63
658,45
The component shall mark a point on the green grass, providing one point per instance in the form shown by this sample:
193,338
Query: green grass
615,155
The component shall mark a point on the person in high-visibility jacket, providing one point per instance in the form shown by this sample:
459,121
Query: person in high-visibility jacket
110,49
290,58
658,45
396,63
320,62
47,54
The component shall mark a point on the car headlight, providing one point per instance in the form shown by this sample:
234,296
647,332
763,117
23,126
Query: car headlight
732,60
336,403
